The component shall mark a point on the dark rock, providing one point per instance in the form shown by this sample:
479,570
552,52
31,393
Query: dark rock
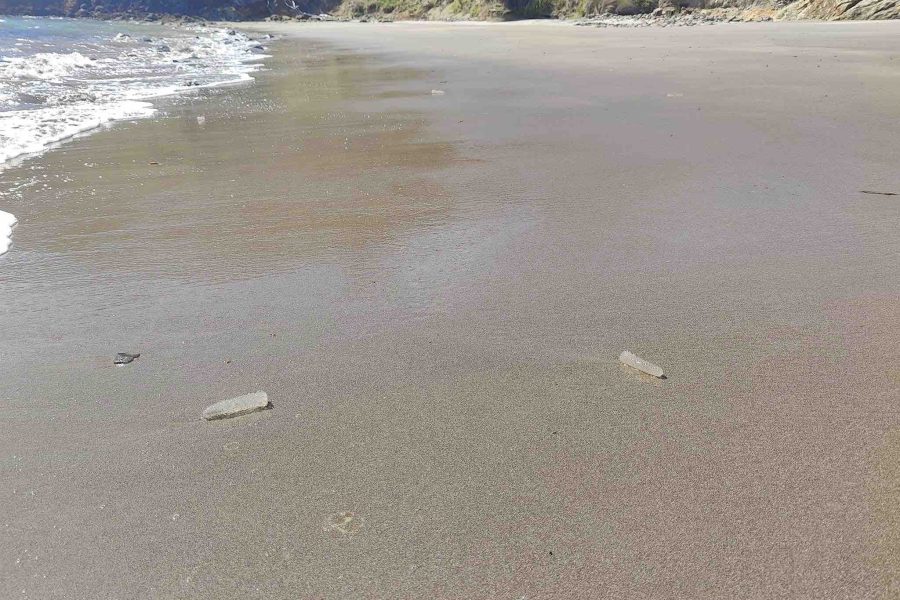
123,358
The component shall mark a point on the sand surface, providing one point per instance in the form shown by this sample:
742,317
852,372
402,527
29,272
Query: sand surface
433,291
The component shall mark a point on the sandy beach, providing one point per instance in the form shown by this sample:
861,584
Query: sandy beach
428,243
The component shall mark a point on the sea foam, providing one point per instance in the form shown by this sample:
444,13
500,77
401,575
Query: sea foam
43,65
74,76
7,221
33,131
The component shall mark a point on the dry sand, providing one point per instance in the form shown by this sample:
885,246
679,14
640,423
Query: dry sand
433,290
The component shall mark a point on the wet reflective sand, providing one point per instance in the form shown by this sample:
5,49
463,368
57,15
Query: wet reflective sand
433,291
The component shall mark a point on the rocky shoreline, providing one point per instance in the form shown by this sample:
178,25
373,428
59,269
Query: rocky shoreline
602,13
685,18
660,17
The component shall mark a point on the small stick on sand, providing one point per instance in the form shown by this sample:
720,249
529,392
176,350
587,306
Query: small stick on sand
636,362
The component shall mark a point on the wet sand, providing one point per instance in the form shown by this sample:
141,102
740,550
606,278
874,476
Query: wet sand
433,291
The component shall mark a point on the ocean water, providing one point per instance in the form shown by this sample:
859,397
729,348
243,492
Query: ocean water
64,77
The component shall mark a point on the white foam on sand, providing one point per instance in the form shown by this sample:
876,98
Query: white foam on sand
7,221
242,78
31,132
68,94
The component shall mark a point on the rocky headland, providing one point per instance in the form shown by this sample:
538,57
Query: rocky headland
603,13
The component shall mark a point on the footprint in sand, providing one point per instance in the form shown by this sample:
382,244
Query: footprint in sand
343,522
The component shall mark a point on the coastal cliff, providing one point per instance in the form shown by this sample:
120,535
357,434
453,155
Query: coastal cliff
460,9
219,9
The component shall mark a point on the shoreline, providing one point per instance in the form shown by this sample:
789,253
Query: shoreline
661,17
433,291
131,105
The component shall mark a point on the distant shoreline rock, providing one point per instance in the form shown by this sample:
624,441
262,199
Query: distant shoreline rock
603,13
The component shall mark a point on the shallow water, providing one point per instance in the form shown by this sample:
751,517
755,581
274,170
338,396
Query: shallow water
63,77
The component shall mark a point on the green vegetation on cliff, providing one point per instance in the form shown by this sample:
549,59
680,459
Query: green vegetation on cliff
449,9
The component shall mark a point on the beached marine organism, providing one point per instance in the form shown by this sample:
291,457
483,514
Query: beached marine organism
235,407
636,362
